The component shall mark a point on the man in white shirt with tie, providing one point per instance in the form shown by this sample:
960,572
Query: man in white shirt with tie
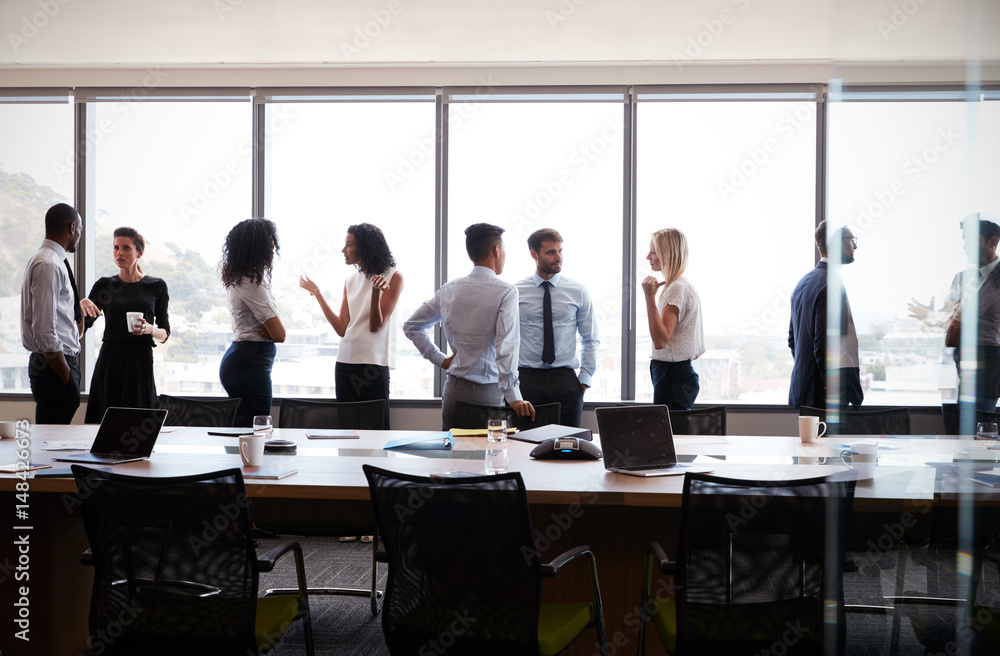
552,310
51,319
478,313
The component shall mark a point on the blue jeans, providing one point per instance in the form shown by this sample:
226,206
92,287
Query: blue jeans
675,384
245,374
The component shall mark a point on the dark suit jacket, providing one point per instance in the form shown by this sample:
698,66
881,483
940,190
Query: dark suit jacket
807,340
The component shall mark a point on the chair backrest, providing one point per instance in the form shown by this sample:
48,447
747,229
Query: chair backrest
754,559
887,421
307,413
175,557
459,550
184,411
473,415
951,414
703,421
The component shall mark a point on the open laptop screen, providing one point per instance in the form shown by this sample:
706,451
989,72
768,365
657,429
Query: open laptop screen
128,432
636,436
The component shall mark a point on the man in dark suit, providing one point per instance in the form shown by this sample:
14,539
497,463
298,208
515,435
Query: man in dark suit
807,333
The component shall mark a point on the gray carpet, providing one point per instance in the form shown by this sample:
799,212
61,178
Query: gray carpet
341,625
344,625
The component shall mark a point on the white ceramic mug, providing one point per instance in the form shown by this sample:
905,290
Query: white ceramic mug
8,429
132,318
809,429
252,449
862,458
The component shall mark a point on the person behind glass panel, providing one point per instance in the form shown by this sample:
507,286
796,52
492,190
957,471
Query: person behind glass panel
51,321
123,375
983,280
674,322
552,310
807,332
366,351
479,315
245,371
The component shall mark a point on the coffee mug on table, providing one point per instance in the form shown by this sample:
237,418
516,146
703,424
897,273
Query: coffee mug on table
809,429
8,429
252,449
132,318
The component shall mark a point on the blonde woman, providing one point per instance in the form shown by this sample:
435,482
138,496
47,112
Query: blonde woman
674,322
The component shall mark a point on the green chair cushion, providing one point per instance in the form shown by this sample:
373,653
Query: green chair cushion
274,615
559,624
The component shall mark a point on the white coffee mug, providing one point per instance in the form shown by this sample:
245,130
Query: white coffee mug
132,318
252,449
809,429
862,459
8,429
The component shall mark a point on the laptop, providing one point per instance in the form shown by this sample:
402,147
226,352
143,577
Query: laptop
125,435
637,440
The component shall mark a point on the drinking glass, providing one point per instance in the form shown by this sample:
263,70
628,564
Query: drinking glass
262,425
496,430
986,430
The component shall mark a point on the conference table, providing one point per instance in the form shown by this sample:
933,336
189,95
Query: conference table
572,503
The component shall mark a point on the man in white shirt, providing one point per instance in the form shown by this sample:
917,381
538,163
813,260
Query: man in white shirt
552,310
982,281
51,319
479,315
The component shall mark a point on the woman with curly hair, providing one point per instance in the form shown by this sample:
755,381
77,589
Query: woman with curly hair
245,372
370,295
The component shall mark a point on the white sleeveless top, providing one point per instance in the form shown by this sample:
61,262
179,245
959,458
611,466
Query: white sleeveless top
359,344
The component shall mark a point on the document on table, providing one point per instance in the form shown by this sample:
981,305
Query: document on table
67,445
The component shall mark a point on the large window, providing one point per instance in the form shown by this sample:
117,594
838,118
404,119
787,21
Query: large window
737,169
525,166
903,174
334,165
180,174
36,171
738,179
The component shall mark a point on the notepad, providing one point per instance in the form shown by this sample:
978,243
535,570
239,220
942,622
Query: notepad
21,466
435,440
269,473
333,434
476,432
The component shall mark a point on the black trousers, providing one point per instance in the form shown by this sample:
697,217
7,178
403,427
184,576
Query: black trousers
55,402
362,382
561,385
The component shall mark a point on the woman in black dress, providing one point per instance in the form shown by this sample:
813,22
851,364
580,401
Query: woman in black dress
123,375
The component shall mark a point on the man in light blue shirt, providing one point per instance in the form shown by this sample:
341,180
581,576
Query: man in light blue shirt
479,315
547,360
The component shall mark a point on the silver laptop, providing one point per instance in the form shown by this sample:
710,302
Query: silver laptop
637,440
125,435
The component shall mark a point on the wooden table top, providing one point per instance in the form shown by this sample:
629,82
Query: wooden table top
331,469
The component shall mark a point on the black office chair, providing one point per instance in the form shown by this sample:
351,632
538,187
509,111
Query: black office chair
473,415
175,569
700,421
886,421
304,413
186,411
752,559
952,418
362,415
467,550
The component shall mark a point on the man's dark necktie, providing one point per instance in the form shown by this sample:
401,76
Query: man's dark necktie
548,341
77,312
